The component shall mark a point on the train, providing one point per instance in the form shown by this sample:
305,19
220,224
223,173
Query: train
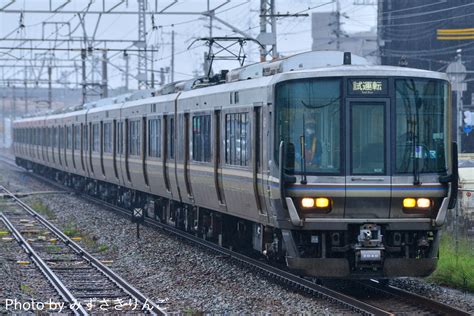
321,161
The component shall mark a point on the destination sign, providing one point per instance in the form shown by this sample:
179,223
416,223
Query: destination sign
367,86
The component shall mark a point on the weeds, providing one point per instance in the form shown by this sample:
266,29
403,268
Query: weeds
39,207
455,269
26,289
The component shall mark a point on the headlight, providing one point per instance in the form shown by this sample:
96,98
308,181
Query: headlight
322,202
409,202
423,203
307,202
419,204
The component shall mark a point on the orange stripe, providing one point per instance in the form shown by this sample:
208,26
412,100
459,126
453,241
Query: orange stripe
452,38
455,31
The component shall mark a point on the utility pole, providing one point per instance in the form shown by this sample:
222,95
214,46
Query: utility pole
84,76
268,18
14,102
4,121
338,25
104,75
50,88
26,90
141,45
172,55
152,68
126,57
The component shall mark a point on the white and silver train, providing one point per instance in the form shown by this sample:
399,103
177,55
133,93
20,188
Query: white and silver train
340,168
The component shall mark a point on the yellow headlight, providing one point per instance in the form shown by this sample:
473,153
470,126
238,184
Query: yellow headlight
322,202
307,202
423,203
409,202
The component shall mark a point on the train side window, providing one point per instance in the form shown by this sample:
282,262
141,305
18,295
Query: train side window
236,97
86,137
95,137
202,138
77,137
60,137
171,138
107,137
69,137
120,138
154,138
134,138
237,139
53,137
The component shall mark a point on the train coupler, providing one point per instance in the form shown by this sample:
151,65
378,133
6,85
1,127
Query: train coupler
369,248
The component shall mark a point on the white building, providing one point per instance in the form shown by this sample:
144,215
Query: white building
324,34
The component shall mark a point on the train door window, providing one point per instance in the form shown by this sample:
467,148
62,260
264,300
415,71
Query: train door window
95,137
120,138
367,138
236,97
108,137
171,138
154,138
202,138
237,129
69,137
134,138
77,137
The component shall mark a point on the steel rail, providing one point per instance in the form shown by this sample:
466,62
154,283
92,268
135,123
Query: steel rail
417,299
119,281
45,270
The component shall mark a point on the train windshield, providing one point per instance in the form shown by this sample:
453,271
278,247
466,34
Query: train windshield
421,110
308,117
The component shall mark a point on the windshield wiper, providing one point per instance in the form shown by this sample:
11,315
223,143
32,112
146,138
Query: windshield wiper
303,155
416,132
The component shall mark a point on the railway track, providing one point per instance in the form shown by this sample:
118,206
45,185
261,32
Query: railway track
368,298
85,284
392,299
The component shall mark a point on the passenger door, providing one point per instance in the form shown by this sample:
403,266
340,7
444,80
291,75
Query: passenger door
368,180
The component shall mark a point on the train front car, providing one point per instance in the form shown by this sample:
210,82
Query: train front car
366,169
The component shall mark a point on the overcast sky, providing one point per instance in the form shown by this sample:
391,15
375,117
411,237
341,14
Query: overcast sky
293,34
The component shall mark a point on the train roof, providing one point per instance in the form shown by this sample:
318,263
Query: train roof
363,71
303,65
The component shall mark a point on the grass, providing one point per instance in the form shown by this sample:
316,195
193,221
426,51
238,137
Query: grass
89,241
53,248
39,207
455,269
71,232
26,289
102,248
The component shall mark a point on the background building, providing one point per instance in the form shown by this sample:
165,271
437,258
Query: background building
327,34
431,35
